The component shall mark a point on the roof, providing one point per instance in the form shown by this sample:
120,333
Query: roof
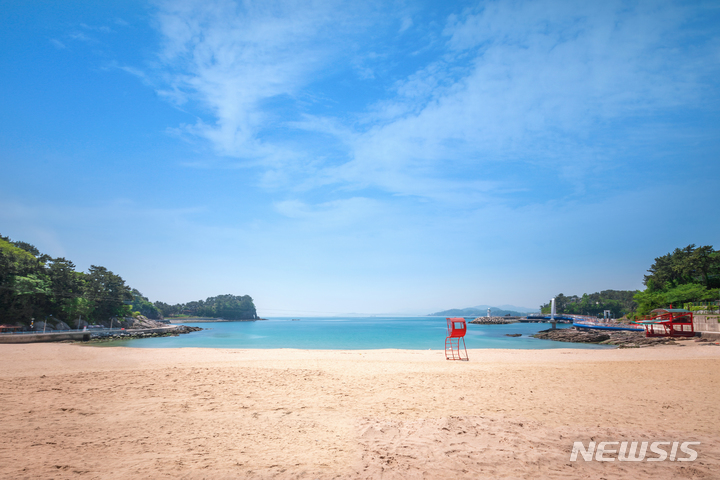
671,310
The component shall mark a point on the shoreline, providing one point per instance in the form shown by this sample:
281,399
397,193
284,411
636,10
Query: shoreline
75,355
85,411
209,320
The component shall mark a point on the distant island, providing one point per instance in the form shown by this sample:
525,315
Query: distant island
481,311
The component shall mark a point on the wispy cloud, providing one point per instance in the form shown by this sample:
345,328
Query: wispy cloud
234,58
80,36
545,84
101,28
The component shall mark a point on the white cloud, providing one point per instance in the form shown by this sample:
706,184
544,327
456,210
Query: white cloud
331,214
532,82
80,36
522,83
234,57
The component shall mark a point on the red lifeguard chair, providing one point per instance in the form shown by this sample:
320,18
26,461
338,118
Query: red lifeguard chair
456,334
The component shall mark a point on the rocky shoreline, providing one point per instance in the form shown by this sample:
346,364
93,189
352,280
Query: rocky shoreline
620,338
110,336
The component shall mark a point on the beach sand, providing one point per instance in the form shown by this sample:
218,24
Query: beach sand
74,411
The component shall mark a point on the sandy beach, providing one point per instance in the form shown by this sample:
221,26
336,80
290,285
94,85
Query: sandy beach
74,411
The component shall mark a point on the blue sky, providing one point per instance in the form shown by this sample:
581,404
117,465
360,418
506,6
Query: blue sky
371,157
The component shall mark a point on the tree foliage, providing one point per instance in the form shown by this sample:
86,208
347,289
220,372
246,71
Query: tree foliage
690,274
37,286
229,307
698,265
619,302
142,304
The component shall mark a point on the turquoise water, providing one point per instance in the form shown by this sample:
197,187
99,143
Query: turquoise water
408,333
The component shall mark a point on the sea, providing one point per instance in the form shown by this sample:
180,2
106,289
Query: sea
352,333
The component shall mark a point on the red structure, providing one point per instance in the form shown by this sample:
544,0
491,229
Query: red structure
9,328
668,322
456,334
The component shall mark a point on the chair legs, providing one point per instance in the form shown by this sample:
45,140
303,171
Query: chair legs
454,350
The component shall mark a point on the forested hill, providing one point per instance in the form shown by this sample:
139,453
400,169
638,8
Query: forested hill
476,312
36,286
619,302
229,307
683,276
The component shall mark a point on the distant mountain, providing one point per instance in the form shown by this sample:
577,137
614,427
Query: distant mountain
481,311
518,309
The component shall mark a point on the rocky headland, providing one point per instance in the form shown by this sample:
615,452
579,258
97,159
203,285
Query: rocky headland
99,336
620,338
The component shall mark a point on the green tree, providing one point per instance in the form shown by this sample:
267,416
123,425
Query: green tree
108,294
31,249
619,302
66,289
142,304
685,275
687,265
74,308
23,284
167,310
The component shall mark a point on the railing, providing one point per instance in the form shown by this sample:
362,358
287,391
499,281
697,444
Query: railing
50,330
700,304
710,306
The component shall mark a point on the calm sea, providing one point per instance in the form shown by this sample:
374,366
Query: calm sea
350,333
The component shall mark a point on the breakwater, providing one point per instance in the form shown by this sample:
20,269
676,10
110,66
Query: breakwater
77,336
171,331
494,320
96,335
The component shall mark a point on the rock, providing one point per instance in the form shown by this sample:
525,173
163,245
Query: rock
621,338
513,334
186,329
40,326
106,336
572,335
62,326
494,320
144,322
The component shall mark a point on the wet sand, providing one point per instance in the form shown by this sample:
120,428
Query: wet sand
74,411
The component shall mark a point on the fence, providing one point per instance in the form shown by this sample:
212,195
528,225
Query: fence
709,306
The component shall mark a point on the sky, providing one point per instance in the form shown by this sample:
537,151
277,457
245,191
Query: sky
330,158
